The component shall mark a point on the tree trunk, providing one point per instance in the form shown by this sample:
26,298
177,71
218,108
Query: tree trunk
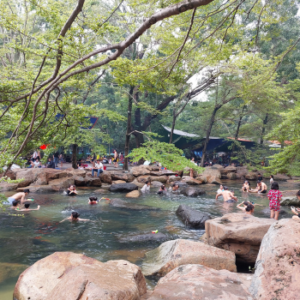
238,128
211,123
264,129
173,127
74,156
128,130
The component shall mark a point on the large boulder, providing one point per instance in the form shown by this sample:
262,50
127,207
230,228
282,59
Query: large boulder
229,169
138,184
156,184
290,201
241,172
140,170
231,176
192,218
191,181
69,276
277,266
239,233
181,184
5,186
143,178
37,188
197,282
105,177
251,176
174,178
61,183
123,187
94,182
147,237
29,176
281,177
210,175
122,176
192,192
162,179
133,194
79,181
172,254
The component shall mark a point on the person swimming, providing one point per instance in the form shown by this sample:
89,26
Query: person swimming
26,207
74,218
93,200
228,196
72,190
248,207
162,190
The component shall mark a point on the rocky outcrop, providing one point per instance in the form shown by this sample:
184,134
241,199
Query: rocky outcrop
61,184
147,237
210,175
133,194
174,178
251,176
196,282
281,177
5,186
122,176
192,218
229,169
290,201
231,176
141,170
277,266
66,275
192,192
106,177
156,183
239,233
172,254
191,181
123,187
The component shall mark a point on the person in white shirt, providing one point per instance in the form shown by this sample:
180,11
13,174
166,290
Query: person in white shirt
36,164
146,187
97,167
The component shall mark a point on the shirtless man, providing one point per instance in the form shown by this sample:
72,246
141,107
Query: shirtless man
115,158
20,197
227,196
74,218
261,188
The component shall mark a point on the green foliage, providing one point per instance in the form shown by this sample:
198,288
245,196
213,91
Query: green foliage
168,155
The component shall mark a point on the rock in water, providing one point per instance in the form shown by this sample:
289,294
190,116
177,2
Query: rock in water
172,254
191,217
158,237
290,201
196,282
133,194
239,233
277,269
69,276
210,175
123,188
192,192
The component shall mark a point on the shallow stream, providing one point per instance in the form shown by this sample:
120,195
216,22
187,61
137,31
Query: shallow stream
33,235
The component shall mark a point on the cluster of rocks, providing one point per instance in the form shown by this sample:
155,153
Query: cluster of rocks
188,269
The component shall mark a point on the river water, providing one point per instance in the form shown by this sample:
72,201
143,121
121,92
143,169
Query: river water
33,235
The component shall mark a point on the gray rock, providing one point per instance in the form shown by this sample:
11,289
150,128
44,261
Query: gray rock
155,237
181,184
283,214
123,187
192,192
191,217
290,201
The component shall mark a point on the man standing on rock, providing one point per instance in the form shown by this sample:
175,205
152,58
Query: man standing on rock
227,196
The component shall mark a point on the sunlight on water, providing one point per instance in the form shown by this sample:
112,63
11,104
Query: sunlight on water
28,238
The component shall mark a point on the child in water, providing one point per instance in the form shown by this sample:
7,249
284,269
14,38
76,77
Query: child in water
93,200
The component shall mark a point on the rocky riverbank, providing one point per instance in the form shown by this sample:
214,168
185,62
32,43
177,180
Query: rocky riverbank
45,180
188,269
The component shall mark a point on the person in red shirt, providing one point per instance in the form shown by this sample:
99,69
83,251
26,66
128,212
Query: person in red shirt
274,196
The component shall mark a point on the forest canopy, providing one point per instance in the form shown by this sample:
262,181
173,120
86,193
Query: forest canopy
208,67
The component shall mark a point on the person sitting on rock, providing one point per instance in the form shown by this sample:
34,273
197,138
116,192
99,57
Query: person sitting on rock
146,187
98,167
72,191
74,218
228,196
26,207
93,200
246,186
162,190
50,163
